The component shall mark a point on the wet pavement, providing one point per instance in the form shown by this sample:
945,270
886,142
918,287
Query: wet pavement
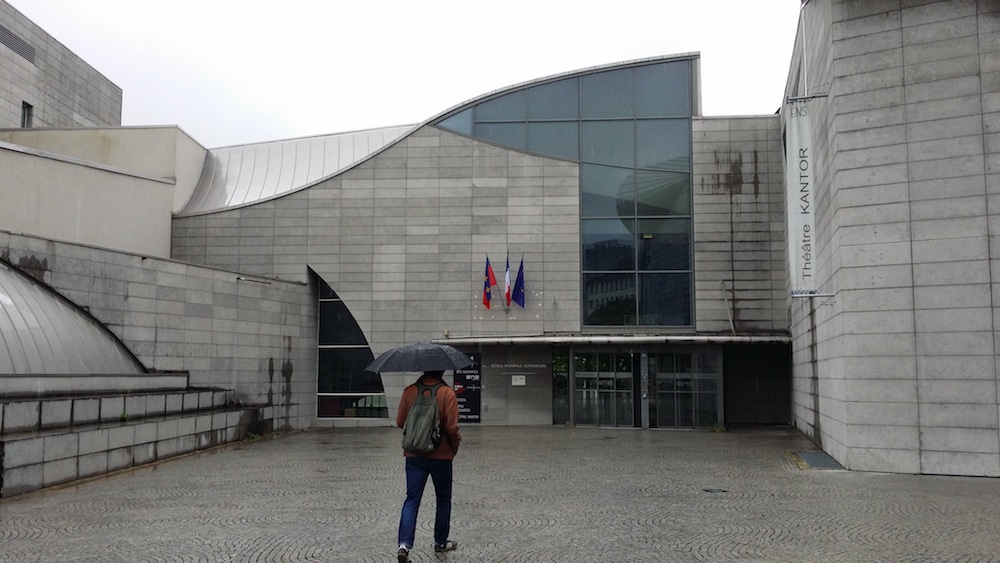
536,494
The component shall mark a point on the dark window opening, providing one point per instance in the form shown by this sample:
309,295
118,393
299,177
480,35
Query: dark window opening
27,114
344,389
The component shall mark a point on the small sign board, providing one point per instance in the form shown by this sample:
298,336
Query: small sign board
469,390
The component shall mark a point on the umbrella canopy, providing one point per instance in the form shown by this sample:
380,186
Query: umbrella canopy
420,356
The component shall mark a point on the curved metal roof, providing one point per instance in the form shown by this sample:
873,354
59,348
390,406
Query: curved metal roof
42,334
242,175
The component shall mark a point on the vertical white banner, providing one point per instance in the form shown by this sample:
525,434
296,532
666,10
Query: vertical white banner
800,188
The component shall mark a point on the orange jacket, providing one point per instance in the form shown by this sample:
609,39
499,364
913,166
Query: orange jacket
448,411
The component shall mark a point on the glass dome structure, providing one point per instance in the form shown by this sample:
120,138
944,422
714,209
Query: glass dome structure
43,334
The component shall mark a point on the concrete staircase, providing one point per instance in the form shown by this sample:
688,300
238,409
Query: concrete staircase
56,437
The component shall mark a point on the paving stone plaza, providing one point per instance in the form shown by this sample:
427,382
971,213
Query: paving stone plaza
521,495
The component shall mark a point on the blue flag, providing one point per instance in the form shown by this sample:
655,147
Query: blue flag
517,294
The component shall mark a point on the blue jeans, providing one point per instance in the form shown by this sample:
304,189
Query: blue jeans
417,470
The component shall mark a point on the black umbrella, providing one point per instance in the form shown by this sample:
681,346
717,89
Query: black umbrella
420,356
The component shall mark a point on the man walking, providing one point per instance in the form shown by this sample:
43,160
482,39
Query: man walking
437,464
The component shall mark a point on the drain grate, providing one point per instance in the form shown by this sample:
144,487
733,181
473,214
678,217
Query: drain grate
817,460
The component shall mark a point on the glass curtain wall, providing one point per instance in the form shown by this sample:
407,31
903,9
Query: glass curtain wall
630,129
345,390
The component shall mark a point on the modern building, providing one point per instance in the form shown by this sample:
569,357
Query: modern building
895,362
826,267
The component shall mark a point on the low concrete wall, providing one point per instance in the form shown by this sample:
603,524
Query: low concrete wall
70,384
256,336
45,442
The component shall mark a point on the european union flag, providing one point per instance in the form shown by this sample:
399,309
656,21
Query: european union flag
517,294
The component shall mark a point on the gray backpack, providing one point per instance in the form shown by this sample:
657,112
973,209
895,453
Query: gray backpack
422,428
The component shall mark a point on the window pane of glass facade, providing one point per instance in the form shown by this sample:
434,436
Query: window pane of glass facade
663,90
608,244
509,107
337,325
608,142
609,299
508,134
707,362
665,299
707,413
607,94
460,122
325,291
663,193
555,100
606,191
663,143
556,138
341,370
664,244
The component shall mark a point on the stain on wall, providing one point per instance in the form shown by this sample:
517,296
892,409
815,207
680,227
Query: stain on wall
732,176
32,265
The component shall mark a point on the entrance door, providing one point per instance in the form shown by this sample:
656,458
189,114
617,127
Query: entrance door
604,389
682,384
684,389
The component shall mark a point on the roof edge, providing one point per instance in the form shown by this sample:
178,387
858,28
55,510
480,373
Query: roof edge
616,339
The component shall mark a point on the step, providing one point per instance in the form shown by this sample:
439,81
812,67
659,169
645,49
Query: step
43,458
27,414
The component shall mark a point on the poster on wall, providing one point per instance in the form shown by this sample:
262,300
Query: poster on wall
800,184
469,390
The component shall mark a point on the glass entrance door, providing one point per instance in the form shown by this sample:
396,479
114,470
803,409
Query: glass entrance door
603,393
684,389
683,385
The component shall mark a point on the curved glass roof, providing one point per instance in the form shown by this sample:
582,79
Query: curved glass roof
42,334
247,174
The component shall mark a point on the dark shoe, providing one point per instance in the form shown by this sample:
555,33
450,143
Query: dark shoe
403,555
446,546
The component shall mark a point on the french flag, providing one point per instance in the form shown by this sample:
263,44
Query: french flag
506,282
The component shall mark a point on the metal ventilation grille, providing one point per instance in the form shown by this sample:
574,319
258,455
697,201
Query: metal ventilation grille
16,44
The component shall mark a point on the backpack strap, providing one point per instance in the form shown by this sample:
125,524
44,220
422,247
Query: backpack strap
421,387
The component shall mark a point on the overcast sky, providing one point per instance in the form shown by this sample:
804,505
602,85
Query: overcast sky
241,71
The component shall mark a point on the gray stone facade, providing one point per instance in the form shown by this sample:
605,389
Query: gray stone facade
63,90
898,371
402,239
741,284
256,337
